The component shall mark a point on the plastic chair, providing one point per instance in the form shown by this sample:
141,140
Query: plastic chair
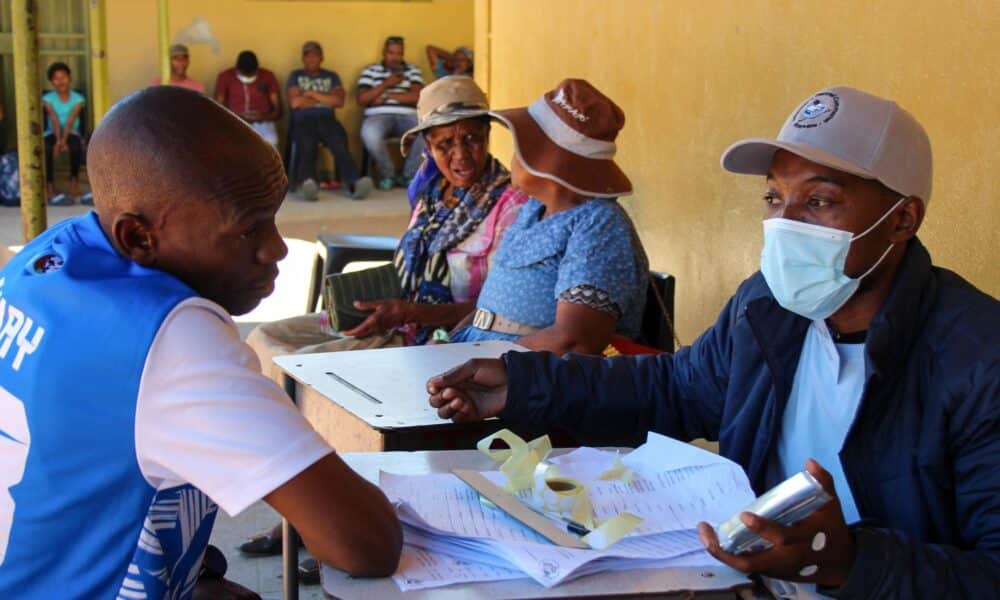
657,329
339,250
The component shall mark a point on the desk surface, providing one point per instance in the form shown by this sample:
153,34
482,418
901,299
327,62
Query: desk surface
386,387
639,582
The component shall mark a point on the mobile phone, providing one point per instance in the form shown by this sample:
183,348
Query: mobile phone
786,503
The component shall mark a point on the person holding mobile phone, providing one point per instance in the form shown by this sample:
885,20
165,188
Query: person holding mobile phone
849,354
388,91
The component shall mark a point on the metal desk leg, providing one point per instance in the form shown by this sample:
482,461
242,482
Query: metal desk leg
290,537
290,559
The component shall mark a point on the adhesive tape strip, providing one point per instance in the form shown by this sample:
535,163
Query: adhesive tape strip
612,530
519,460
617,472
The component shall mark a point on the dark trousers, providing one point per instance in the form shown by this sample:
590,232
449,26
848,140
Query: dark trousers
313,127
75,155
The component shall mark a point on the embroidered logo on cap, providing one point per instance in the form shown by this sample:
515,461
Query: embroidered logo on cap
47,263
560,100
818,110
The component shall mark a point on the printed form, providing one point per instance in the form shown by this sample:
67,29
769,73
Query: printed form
673,488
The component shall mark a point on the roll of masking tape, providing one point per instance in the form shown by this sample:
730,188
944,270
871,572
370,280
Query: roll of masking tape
523,464
559,494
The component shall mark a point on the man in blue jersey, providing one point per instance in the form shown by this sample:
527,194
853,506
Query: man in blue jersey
129,407
848,350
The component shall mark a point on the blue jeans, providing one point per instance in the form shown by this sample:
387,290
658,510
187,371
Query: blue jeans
311,127
374,131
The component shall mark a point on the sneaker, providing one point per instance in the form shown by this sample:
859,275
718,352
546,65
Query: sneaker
360,189
309,190
60,200
87,199
403,182
386,184
330,185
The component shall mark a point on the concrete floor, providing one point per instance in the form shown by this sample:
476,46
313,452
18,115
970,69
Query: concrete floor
383,213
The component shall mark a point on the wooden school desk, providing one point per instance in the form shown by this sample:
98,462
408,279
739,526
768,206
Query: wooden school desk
376,400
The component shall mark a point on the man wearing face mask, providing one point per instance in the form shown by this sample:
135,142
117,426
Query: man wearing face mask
849,354
252,93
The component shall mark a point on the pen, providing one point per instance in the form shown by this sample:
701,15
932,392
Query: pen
572,526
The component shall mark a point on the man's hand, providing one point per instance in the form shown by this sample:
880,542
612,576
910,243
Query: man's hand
474,391
818,549
386,314
394,79
61,146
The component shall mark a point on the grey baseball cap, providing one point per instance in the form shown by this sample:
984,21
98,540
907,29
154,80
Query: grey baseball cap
312,46
852,131
178,50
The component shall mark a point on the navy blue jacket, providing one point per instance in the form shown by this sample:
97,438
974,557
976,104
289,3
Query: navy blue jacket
922,456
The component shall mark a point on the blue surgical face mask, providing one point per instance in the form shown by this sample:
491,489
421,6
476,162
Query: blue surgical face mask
803,265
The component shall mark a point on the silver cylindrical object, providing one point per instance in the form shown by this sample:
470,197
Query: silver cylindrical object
786,503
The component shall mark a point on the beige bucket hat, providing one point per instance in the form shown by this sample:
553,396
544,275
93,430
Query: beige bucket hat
447,100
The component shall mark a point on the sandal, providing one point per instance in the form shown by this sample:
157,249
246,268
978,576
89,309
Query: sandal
309,571
261,545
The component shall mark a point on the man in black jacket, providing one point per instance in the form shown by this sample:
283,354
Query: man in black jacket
848,350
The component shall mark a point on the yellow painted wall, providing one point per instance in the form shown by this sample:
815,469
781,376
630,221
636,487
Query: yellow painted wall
695,75
351,32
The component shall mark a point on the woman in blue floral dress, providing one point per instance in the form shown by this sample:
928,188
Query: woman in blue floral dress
570,272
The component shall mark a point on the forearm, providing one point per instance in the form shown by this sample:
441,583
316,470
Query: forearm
559,340
592,396
409,97
443,315
368,95
68,129
890,564
366,546
334,99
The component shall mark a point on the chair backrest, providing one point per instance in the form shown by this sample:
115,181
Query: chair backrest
657,329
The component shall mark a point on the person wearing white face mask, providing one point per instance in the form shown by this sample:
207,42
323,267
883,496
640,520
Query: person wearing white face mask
252,93
849,354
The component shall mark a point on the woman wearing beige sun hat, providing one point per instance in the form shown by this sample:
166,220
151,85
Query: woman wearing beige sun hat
571,271
463,204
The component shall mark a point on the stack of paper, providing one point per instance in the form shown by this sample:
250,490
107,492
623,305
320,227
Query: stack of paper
452,537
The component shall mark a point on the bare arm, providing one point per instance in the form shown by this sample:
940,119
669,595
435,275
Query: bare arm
387,314
71,120
408,97
577,329
275,113
367,96
435,54
53,121
334,98
297,98
344,520
220,90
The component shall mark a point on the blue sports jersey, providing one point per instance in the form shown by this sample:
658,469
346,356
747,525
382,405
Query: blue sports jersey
77,517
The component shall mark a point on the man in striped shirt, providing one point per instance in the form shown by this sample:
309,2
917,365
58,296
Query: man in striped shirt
388,91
